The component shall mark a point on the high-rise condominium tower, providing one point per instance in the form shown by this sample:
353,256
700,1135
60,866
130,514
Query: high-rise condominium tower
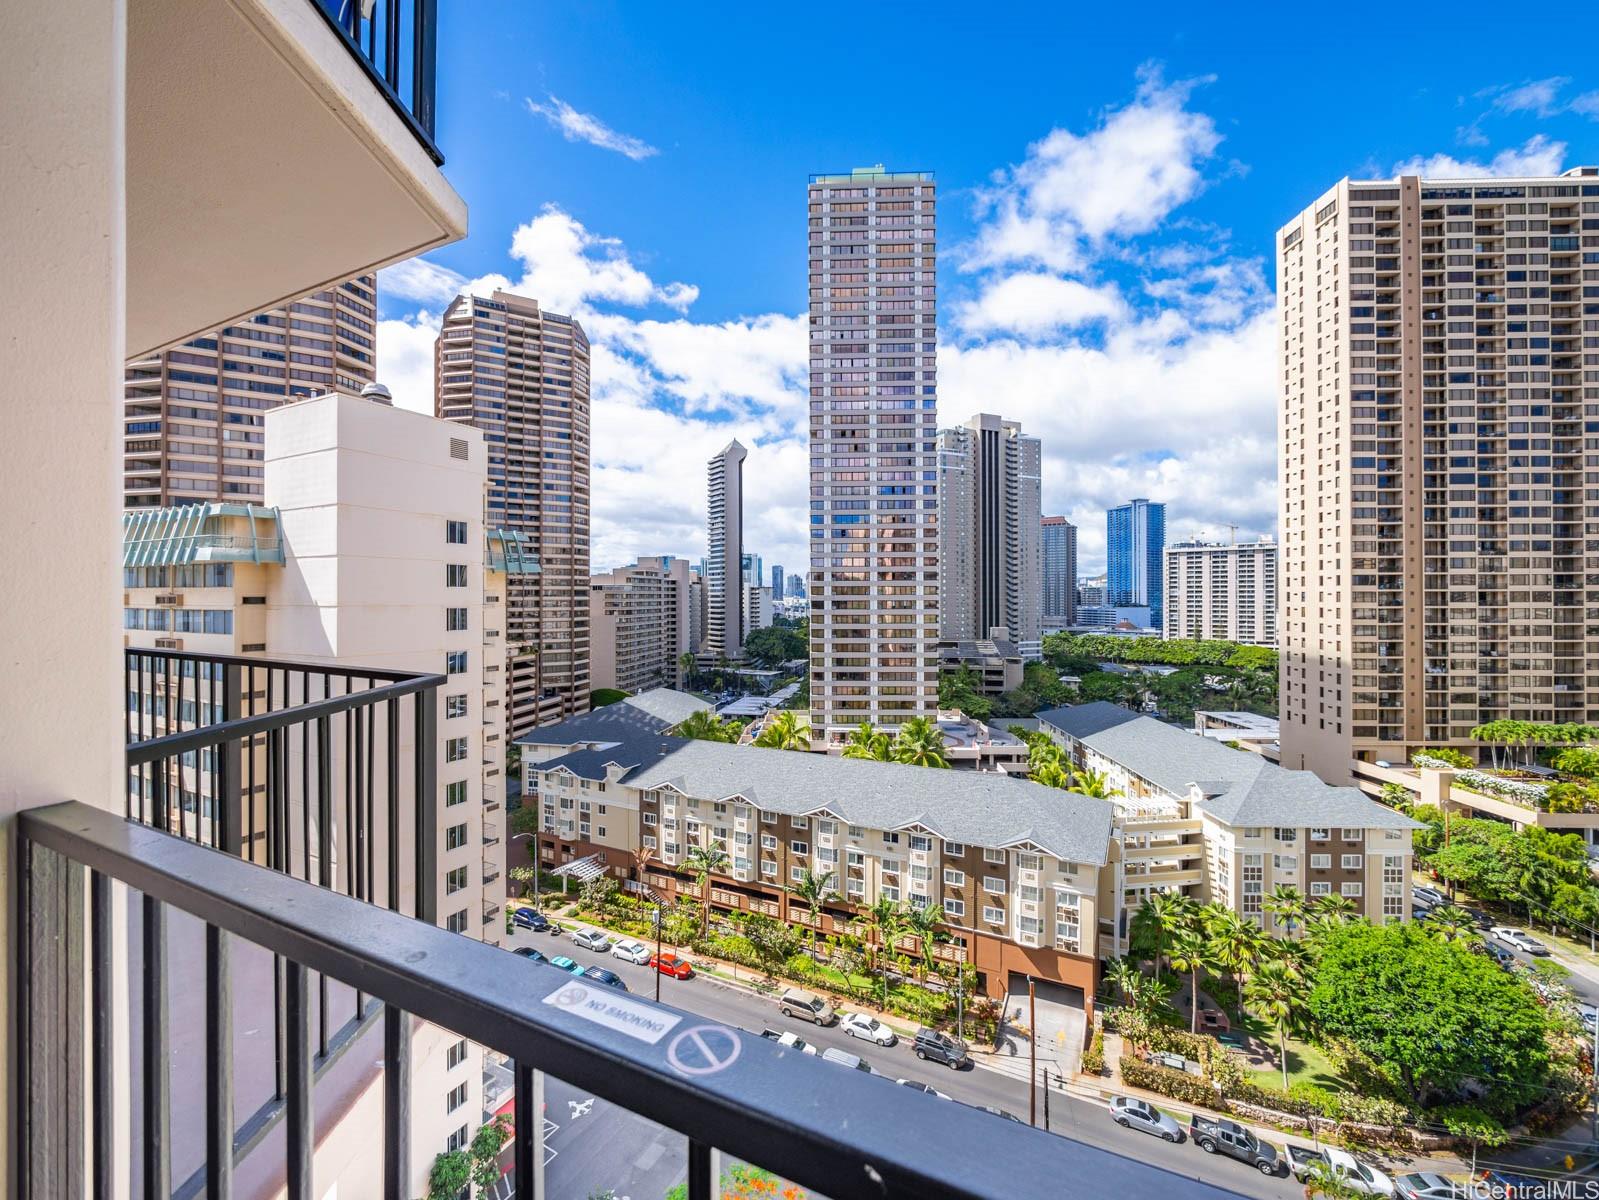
1222,591
1438,557
521,375
1060,572
1135,557
194,427
990,555
640,624
874,439
777,582
724,564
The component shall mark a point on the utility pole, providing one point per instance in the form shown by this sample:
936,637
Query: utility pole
657,953
960,994
1032,1051
1046,1099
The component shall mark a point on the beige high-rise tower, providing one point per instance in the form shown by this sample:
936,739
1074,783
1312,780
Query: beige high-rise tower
1436,568
874,449
724,538
194,427
521,375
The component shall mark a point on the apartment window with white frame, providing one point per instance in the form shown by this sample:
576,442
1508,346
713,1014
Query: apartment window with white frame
1252,877
826,828
1320,835
890,838
799,822
456,1056
1028,926
648,842
769,867
1287,835
994,885
1028,862
456,1098
456,922
854,858
1351,889
1320,887
954,848
1320,862
994,916
1028,894
855,831
954,907
1353,835
795,874
455,533
799,847
954,878
1352,862
456,1141
648,818
455,619
993,856
855,887
889,891
920,843
768,842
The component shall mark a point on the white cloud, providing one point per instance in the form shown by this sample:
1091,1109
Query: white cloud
1539,96
1538,155
578,126
1036,303
1117,180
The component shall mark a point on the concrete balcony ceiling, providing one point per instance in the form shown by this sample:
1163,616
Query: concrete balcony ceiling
262,163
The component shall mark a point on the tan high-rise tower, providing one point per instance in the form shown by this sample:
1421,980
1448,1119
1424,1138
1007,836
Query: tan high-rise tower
521,375
724,537
874,449
1436,571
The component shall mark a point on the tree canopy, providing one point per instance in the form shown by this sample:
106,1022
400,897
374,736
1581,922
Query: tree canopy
1435,1014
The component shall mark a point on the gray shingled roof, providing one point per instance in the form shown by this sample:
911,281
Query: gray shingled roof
651,712
1240,788
978,808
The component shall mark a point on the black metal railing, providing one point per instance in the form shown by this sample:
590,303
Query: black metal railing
396,43
841,1133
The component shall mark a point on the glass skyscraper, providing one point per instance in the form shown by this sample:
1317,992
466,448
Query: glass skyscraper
1135,548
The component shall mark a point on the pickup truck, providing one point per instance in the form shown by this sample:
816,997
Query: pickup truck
1221,1136
1343,1166
790,1040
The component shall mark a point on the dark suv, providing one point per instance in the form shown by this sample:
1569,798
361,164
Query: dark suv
933,1046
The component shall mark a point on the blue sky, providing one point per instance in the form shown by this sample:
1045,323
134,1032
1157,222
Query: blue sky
1109,190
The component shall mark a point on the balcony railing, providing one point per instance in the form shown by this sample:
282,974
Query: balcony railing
725,1091
396,43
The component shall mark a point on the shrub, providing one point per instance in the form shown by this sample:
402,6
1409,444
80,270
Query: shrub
1442,757
1094,1056
1179,1085
1579,760
1569,797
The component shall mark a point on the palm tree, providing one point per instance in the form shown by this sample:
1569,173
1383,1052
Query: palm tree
1450,923
1088,782
1279,996
920,743
685,664
1298,957
814,889
1288,904
1049,772
1236,944
1121,972
1190,954
924,921
1328,912
1158,918
785,731
866,741
887,918
706,861
642,857
706,727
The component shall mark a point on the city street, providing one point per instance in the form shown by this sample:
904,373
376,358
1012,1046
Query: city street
602,1146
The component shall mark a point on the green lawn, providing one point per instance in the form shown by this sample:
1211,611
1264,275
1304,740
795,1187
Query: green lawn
1306,1064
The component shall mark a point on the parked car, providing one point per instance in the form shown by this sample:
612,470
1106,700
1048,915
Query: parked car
1217,1135
1345,1167
608,978
933,1046
796,1002
1132,1113
1419,912
1430,896
566,964
1424,1185
790,1040
671,964
859,1025
1518,939
845,1059
592,939
529,952
1480,919
630,951
1500,955
1588,1015
921,1087
530,918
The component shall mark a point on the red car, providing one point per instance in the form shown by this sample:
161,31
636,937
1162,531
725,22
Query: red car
671,964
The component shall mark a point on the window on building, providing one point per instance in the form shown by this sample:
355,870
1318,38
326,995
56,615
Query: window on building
455,533
994,885
455,662
1352,862
1353,835
799,847
890,838
799,822
1351,889
1252,879
954,878
1320,862
454,837
855,831
1028,862
456,1141
795,874
456,1098
1320,887
455,749
455,618
455,706
454,575
994,916
1319,835
920,843
1287,835
889,892
954,907
455,793
993,856
768,867
954,848
456,922
454,881
456,1056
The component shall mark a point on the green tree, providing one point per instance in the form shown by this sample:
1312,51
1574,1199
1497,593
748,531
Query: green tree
886,918
926,921
484,1152
1190,954
1398,796
773,941
1434,1015
449,1175
813,889
1088,782
1451,923
961,688
705,726
1236,944
784,731
1278,995
1120,973
703,862
865,741
1288,904
1157,921
599,698
920,743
